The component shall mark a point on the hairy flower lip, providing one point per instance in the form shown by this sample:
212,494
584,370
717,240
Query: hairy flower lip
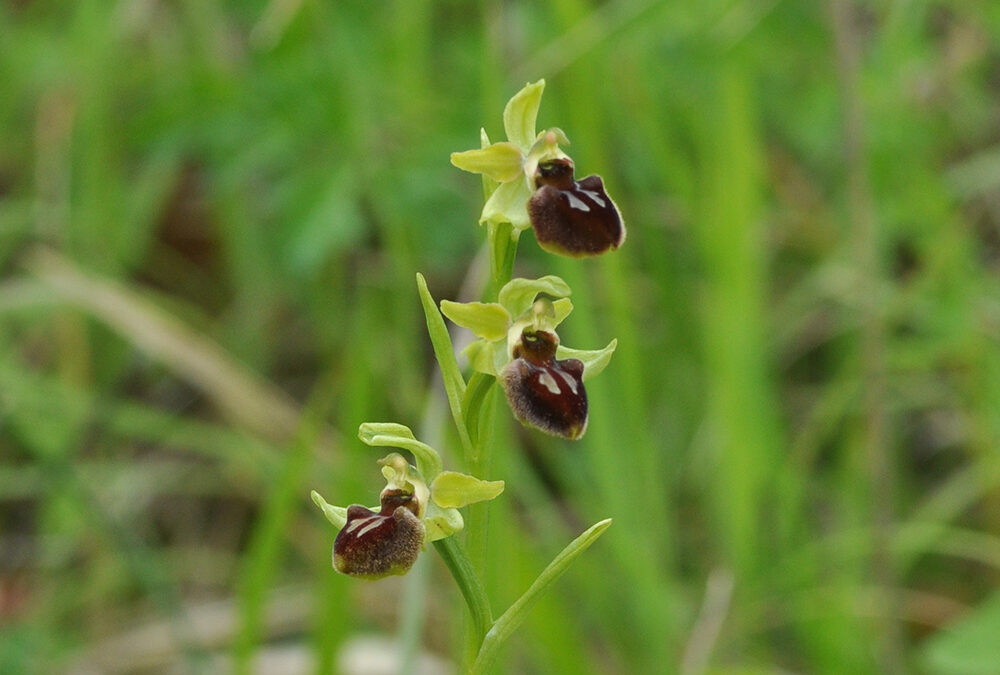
543,392
570,217
376,545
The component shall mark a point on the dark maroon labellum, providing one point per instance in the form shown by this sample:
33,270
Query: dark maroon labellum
543,392
570,217
375,545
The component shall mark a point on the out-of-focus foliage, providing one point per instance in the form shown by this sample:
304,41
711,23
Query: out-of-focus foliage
211,214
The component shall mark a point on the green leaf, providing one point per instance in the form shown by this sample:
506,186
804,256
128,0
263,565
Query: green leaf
500,161
518,295
487,320
594,360
510,620
520,114
454,384
454,490
969,646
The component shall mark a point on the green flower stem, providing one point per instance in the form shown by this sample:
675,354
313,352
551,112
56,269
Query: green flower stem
503,245
510,620
469,584
477,522
479,409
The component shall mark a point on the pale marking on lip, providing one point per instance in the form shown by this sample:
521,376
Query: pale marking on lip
549,382
576,203
355,524
568,379
370,526
595,196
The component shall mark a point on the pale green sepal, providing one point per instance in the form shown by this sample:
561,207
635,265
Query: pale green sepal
509,621
561,308
440,523
487,320
594,360
500,161
480,355
518,295
429,462
337,515
444,352
508,204
454,490
520,114
489,185
370,430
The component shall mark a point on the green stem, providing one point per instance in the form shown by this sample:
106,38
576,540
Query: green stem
475,413
503,250
469,584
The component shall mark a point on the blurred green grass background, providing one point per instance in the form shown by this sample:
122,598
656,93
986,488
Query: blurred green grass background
211,214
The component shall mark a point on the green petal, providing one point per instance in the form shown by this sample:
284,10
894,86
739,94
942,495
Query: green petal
562,308
520,114
500,161
594,360
508,204
429,462
487,320
454,490
440,523
518,295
